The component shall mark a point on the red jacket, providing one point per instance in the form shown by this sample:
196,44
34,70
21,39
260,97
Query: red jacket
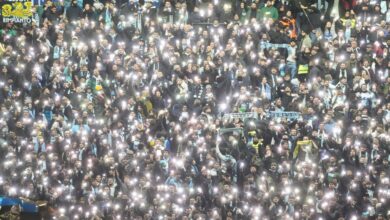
348,4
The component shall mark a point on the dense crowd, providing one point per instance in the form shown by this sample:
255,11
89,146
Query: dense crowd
121,109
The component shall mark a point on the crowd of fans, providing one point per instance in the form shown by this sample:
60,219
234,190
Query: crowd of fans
120,109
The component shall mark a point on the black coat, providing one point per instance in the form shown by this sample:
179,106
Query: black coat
73,13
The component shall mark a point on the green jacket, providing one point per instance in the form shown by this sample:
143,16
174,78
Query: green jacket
11,32
244,16
269,12
91,83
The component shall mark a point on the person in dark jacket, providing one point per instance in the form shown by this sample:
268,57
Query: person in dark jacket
74,12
